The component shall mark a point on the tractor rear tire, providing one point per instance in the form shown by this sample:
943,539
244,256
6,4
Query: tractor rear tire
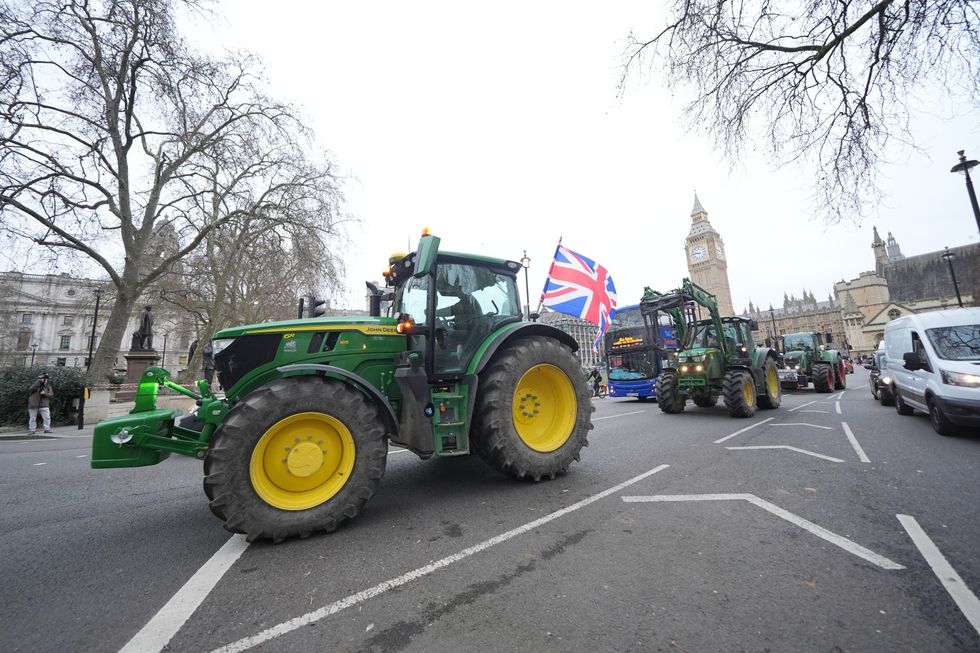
840,376
534,410
705,401
740,395
772,394
296,456
668,397
823,377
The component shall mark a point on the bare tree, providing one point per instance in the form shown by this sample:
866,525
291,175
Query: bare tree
831,80
112,132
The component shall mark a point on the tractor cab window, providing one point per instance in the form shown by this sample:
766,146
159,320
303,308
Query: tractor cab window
471,301
798,342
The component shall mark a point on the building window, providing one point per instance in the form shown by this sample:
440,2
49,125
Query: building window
23,340
71,292
61,362
65,342
27,318
69,320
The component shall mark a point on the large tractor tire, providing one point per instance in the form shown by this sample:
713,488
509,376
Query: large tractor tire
296,456
823,377
840,375
772,394
668,394
740,396
533,411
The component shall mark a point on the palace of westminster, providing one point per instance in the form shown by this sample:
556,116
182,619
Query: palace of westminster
48,319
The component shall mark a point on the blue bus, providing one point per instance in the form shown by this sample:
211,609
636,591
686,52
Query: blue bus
633,361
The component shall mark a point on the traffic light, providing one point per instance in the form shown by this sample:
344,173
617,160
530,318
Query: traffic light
316,306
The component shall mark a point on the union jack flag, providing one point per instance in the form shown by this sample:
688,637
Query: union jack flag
577,285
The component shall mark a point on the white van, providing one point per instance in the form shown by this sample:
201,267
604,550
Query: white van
934,362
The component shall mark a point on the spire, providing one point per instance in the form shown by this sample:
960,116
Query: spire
892,249
877,242
697,206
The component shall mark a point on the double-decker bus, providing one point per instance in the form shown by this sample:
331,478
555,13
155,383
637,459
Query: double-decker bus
633,356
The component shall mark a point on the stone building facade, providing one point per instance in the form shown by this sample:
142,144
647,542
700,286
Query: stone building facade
800,314
583,332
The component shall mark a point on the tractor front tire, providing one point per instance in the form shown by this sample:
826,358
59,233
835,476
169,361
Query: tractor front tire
296,456
668,397
773,391
740,395
823,377
533,411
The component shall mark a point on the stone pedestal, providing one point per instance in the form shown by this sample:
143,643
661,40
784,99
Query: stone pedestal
136,364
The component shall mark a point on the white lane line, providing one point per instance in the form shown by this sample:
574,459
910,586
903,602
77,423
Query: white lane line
819,531
816,426
802,406
39,464
835,397
82,456
796,449
966,600
635,412
863,457
327,610
392,452
747,428
164,625
837,407
813,411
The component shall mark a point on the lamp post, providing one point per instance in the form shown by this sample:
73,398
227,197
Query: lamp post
772,319
964,167
949,256
33,349
526,263
95,319
163,358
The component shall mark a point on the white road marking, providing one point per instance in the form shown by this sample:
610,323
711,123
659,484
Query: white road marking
863,457
966,600
802,406
813,411
165,624
39,464
798,450
392,452
819,531
837,407
327,610
635,412
768,419
835,397
82,456
816,426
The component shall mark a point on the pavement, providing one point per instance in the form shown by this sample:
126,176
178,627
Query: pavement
72,431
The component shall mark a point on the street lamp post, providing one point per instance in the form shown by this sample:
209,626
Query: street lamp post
526,263
772,319
95,319
163,358
949,256
964,167
33,349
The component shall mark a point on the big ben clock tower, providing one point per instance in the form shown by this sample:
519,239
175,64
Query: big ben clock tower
706,261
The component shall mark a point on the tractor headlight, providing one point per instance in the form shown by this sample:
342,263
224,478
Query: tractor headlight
219,345
887,380
960,379
684,369
699,368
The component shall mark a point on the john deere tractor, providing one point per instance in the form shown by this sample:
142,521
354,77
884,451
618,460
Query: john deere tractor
297,442
717,356
806,353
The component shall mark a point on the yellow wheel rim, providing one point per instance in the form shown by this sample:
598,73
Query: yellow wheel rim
772,381
748,390
544,408
302,461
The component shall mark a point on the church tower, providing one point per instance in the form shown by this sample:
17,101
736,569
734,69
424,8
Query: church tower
706,261
881,255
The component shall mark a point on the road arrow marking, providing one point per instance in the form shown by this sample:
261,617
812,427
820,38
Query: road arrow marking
747,428
819,531
816,426
863,457
798,450
802,406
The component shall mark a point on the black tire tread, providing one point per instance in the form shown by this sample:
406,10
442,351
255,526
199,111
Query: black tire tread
820,380
668,397
734,396
765,400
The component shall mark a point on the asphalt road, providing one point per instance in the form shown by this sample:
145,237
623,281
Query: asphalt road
800,529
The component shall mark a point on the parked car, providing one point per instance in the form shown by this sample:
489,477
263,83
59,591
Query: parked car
934,362
848,366
880,380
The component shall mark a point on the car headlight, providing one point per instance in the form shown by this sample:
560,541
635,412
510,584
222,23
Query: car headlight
958,378
219,345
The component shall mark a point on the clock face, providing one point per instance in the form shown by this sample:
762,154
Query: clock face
699,252
719,249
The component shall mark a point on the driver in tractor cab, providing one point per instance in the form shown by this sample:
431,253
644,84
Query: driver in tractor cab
464,312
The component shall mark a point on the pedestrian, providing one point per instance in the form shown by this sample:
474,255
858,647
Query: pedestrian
39,401
596,379
207,362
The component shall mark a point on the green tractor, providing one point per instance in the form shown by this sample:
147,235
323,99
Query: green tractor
716,356
810,357
298,441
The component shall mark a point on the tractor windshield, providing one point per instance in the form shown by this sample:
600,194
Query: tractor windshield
798,342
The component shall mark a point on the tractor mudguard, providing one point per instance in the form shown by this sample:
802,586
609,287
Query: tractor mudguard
515,330
355,379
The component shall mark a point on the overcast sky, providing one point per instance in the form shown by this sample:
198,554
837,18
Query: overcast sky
499,127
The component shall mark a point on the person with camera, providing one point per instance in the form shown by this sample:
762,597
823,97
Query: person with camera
39,401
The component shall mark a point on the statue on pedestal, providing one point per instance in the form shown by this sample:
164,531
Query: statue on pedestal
143,336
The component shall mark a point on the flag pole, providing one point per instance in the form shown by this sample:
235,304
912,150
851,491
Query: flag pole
548,276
